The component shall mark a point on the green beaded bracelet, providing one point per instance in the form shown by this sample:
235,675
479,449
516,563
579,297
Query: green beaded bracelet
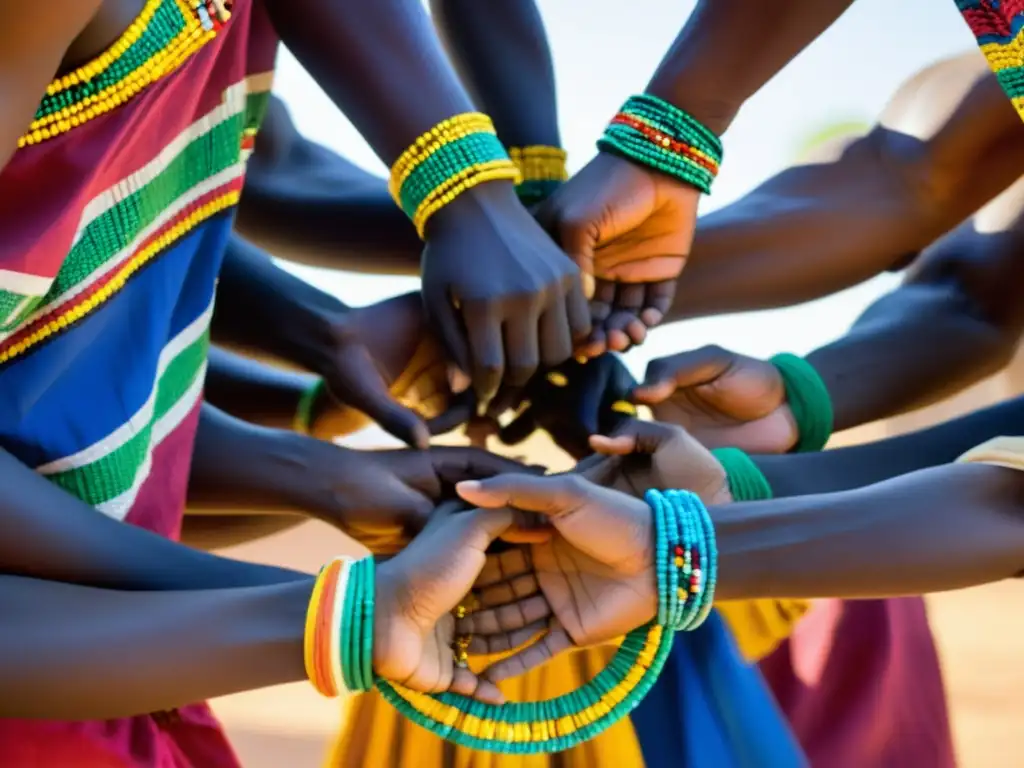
303,422
809,400
746,481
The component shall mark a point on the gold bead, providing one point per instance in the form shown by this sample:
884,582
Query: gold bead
557,379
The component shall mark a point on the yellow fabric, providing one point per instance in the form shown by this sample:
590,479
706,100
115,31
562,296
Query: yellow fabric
760,625
1000,451
398,743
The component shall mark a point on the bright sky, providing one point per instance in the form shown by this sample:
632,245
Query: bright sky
603,55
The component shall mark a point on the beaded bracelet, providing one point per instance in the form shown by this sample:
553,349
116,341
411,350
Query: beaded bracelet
543,170
455,155
746,481
338,639
809,400
652,132
303,421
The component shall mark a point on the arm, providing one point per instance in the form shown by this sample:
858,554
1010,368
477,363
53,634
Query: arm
947,143
254,391
938,529
956,319
33,43
501,52
801,474
77,652
307,204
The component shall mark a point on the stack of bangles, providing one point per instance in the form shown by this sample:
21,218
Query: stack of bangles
652,132
339,652
455,155
542,169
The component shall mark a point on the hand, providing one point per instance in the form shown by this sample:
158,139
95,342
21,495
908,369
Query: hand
414,629
596,572
501,295
722,399
644,455
581,408
380,497
630,228
410,362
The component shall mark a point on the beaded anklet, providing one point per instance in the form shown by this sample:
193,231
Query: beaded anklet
542,169
652,132
455,155
338,647
809,400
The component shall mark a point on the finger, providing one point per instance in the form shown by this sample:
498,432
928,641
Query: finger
478,528
460,410
487,645
623,326
602,469
507,565
449,327
504,618
688,369
520,428
578,239
658,300
443,512
546,648
577,313
556,340
551,496
637,437
507,399
522,349
483,330
507,592
454,464
466,683
359,383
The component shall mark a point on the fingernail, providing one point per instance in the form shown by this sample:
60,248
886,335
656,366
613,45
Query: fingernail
589,284
458,381
468,485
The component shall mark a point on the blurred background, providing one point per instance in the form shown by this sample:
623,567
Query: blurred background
602,54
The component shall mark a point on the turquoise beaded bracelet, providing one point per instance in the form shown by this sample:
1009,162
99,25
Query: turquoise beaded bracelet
652,132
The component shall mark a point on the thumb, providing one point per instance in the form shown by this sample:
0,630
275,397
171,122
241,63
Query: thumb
461,408
687,369
634,436
478,529
552,496
575,234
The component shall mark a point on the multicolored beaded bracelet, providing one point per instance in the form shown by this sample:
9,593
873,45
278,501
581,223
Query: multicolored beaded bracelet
650,131
543,170
303,421
809,399
338,638
455,155
686,563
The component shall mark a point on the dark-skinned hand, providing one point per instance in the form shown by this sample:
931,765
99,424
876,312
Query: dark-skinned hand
629,228
573,402
501,296
722,399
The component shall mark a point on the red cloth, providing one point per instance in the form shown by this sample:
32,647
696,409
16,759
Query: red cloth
861,685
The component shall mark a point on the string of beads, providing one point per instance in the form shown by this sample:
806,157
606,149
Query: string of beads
652,132
542,169
455,155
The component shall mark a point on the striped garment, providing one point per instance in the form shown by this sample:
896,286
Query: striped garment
998,26
115,211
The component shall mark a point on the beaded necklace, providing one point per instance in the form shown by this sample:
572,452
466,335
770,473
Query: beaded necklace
165,35
998,26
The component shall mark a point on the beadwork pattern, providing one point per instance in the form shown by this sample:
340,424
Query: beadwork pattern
998,26
542,169
162,38
455,155
659,135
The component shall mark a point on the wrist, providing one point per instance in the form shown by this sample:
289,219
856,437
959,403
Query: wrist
292,473
808,399
744,479
493,198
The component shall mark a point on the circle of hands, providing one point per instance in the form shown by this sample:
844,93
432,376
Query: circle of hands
577,568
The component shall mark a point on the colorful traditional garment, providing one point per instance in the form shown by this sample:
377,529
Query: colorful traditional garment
115,212
998,26
861,685
709,709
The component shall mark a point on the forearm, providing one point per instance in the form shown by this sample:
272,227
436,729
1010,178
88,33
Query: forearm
261,306
254,391
501,52
843,469
730,48
49,534
72,652
305,203
380,63
238,465
938,529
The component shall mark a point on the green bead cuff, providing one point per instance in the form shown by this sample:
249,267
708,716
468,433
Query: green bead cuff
746,481
307,403
809,400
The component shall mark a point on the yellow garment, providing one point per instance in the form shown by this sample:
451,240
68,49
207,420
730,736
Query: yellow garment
1000,452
